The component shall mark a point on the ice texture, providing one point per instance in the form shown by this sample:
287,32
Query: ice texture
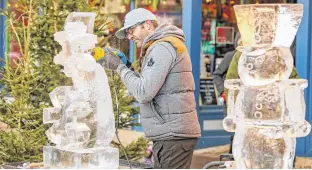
82,117
266,109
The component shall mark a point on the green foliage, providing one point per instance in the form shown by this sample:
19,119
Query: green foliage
26,134
135,150
32,77
50,19
125,109
24,139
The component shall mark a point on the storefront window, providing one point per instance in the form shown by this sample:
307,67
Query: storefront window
218,36
218,31
165,11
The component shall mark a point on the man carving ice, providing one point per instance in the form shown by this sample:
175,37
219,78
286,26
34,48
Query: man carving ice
164,87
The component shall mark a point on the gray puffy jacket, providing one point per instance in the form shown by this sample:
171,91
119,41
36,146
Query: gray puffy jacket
164,87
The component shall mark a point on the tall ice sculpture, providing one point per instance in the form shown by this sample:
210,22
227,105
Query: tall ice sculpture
266,109
82,114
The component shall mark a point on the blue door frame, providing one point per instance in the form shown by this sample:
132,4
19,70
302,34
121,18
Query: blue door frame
303,64
210,117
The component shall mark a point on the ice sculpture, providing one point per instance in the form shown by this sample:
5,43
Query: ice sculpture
268,112
82,114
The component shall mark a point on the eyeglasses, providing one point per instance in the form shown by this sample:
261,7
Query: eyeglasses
130,30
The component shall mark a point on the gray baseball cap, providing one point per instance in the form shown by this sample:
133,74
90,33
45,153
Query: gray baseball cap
134,17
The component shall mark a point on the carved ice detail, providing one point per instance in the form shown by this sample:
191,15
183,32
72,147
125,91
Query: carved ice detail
82,114
266,109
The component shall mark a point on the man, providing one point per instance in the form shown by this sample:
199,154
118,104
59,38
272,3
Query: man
164,87
220,73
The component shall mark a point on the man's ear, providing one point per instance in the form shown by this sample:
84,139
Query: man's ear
148,25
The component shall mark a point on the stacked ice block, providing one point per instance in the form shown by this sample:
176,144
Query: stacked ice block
82,116
266,109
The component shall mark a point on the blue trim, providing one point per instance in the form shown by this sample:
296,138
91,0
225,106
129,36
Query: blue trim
303,64
211,109
212,138
137,128
137,117
191,25
2,32
131,47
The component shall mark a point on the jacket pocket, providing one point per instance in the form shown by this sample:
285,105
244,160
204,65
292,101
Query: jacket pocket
189,144
157,115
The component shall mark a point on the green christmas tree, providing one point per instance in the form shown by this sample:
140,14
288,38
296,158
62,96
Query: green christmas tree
31,78
25,136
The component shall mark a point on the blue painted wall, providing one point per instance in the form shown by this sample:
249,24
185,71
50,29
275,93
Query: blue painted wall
303,64
212,138
191,25
132,48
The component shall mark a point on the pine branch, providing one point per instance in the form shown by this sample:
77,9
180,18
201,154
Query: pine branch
35,75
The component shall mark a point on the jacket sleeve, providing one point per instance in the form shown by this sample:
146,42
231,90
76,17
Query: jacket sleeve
145,86
294,74
233,70
220,72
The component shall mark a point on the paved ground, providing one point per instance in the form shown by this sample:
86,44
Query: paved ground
204,156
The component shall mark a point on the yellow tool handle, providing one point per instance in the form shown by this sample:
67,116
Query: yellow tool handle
99,53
